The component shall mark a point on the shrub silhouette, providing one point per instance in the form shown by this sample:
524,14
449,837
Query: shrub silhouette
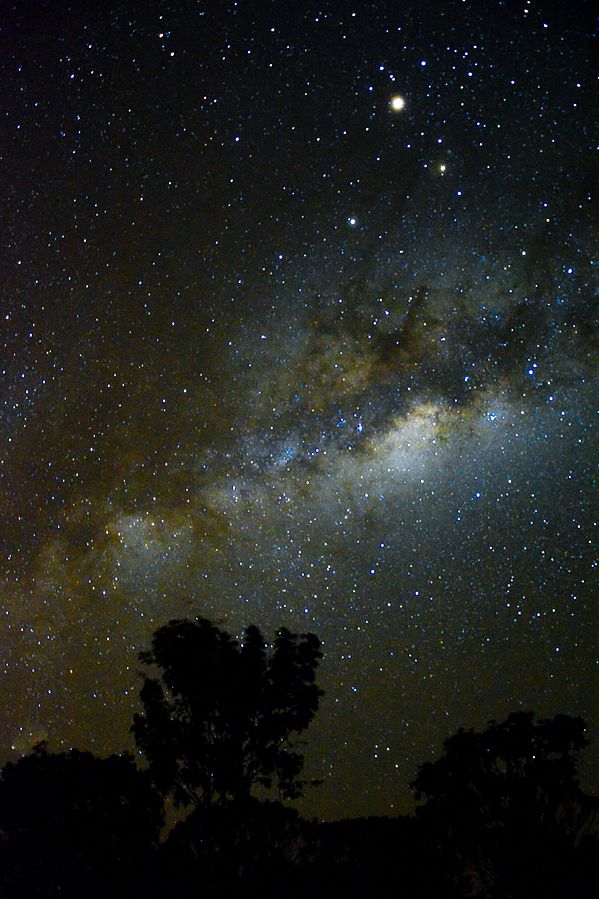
508,803
236,848
74,825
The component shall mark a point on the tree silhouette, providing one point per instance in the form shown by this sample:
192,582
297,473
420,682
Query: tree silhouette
74,825
220,718
508,803
238,848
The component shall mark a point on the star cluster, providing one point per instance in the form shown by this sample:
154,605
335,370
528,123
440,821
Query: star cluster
296,329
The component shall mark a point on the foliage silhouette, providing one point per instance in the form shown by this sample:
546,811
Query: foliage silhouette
236,848
508,803
220,718
74,825
504,816
390,858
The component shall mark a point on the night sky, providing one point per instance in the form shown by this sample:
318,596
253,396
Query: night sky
295,328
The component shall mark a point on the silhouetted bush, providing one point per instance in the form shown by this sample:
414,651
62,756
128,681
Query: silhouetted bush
76,826
239,848
507,803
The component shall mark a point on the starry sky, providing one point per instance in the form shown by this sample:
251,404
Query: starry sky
295,328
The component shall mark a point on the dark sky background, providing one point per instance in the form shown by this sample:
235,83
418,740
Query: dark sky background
274,351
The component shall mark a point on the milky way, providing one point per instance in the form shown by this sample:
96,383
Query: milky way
280,349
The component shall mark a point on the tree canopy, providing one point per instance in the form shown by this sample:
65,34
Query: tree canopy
508,802
503,815
75,825
220,717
